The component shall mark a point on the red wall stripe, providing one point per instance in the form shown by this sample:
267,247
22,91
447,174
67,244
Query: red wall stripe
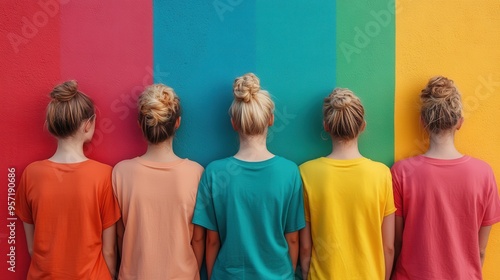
29,44
108,49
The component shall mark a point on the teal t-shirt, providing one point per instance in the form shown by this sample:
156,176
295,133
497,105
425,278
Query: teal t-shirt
251,205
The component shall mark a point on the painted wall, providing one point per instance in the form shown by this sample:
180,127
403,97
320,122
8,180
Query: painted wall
384,50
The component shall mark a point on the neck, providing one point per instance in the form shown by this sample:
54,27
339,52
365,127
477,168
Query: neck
442,146
69,150
345,149
161,152
253,148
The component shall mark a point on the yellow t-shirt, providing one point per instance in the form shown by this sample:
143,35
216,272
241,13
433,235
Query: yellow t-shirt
345,202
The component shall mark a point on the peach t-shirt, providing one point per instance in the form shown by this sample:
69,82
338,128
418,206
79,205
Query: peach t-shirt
157,202
70,205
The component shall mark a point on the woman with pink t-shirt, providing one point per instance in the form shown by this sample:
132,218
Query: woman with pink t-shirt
446,201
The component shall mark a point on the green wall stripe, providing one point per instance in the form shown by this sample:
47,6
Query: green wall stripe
366,65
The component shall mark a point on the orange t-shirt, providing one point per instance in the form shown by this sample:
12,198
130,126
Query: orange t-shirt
157,202
70,205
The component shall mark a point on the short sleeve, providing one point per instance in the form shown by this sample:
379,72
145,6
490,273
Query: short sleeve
110,211
492,206
397,190
389,201
295,217
23,207
204,210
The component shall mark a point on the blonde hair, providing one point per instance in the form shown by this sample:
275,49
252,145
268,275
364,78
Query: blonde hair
441,105
67,110
252,107
343,114
159,109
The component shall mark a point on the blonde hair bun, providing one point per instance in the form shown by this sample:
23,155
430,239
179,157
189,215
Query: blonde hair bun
441,104
65,91
157,103
439,87
246,87
342,98
252,108
343,114
159,109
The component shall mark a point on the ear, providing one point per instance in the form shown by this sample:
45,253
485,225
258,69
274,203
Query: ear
422,122
87,126
363,126
325,127
234,125
459,123
271,120
177,123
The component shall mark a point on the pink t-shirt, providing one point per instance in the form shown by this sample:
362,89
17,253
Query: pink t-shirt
444,203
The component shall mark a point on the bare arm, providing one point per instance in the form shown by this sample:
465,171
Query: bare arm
198,244
29,230
305,249
213,246
109,248
398,238
484,234
388,232
120,230
292,238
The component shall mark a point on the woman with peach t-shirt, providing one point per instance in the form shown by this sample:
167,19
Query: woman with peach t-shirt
157,194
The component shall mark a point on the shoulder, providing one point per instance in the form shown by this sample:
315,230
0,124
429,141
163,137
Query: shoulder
193,165
218,164
479,164
407,163
35,169
124,165
310,164
36,165
286,162
99,166
377,166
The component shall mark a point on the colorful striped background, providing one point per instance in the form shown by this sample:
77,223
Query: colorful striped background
384,50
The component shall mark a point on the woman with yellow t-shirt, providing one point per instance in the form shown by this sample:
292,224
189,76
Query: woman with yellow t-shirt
348,202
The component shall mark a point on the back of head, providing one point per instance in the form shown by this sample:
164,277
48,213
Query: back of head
67,110
343,114
441,105
159,108
252,108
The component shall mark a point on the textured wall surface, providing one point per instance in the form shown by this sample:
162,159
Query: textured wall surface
384,50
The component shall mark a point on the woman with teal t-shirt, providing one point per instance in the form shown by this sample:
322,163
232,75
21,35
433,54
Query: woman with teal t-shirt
251,203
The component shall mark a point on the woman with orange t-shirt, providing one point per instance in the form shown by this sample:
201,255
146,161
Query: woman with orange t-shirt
157,193
66,202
